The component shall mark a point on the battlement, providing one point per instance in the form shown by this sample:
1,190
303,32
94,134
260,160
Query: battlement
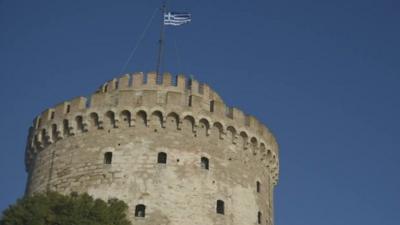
150,81
127,100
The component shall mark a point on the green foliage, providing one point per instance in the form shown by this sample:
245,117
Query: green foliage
55,209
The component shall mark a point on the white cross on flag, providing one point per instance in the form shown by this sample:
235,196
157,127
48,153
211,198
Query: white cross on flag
177,18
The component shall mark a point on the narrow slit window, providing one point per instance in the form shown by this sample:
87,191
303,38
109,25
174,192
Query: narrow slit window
44,136
68,108
54,133
259,217
204,163
79,123
162,158
140,211
258,186
66,127
190,101
108,158
220,207
117,84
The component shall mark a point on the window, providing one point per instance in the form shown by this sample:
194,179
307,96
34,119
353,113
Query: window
204,163
44,136
68,108
66,127
79,123
259,218
126,117
220,207
52,115
258,186
116,84
190,101
107,158
54,132
140,211
162,158
94,120
110,115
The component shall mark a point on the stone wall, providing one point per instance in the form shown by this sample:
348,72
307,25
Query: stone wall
135,118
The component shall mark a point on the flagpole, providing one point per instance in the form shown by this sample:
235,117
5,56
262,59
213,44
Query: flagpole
161,41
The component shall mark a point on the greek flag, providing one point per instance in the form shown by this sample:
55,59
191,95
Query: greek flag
177,18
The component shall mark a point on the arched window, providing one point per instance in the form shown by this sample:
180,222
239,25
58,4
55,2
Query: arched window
156,119
140,211
203,127
162,158
110,116
94,120
220,207
141,119
126,117
231,134
172,121
258,186
259,217
243,139
204,163
188,123
217,130
107,158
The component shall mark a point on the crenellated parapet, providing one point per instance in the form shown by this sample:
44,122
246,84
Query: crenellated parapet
140,100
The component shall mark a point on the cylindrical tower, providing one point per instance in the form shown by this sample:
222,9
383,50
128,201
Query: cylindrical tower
170,148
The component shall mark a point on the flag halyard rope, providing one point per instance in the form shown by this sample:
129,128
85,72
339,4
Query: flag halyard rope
133,51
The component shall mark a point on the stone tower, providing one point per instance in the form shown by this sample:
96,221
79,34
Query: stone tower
170,148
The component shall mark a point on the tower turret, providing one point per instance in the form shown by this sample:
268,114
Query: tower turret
170,148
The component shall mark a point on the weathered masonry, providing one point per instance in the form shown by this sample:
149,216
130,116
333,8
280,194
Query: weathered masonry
169,147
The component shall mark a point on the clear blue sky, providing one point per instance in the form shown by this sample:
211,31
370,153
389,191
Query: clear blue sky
324,75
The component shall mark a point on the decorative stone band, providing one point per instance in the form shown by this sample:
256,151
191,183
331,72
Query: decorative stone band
140,100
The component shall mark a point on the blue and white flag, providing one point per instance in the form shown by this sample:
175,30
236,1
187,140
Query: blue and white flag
177,18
